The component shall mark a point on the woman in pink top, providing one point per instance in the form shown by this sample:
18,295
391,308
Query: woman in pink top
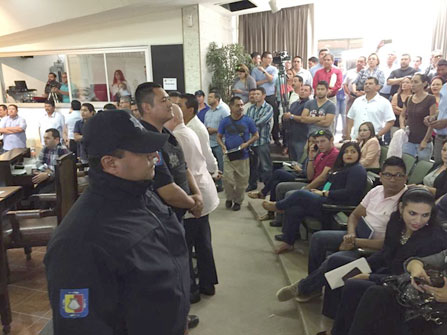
369,145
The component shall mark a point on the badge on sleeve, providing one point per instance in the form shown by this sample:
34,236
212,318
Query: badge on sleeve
73,303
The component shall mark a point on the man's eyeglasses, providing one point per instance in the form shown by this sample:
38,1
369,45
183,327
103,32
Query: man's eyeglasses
388,175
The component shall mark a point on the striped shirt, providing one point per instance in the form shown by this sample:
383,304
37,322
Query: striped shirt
365,74
262,116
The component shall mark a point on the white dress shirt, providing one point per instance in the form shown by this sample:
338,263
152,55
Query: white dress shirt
378,110
306,75
190,144
56,120
202,133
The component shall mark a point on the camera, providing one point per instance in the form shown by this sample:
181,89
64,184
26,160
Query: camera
281,57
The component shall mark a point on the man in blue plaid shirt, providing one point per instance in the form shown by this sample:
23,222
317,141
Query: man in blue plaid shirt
260,161
46,162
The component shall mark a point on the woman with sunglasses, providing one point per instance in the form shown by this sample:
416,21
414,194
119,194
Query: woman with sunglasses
243,83
345,185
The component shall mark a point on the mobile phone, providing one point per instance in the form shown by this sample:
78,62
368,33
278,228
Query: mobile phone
354,272
420,281
315,147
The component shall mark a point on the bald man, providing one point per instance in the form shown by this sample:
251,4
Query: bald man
197,230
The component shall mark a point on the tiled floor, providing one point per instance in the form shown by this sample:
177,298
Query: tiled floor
28,292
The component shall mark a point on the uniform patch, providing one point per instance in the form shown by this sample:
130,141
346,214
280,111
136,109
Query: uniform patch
158,160
73,303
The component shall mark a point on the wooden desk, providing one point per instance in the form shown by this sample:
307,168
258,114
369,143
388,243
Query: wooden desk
6,160
9,196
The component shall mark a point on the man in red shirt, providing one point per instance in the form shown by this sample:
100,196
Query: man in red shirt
330,74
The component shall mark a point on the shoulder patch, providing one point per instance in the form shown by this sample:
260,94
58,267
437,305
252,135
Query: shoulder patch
73,303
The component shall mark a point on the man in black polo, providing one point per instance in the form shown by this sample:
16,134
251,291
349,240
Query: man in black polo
397,75
118,263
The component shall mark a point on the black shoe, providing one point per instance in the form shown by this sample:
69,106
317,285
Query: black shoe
194,297
193,321
208,290
236,207
228,204
279,237
250,188
219,189
275,224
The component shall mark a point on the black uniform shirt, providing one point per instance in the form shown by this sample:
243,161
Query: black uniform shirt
118,263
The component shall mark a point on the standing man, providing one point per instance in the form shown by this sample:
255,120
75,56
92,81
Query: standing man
189,105
255,58
311,62
439,124
203,107
297,67
297,130
236,129
87,112
52,85
197,230
332,75
320,112
370,107
212,120
397,75
417,64
73,116
350,78
436,56
266,76
251,100
51,119
387,69
13,129
118,263
442,69
63,90
260,160
297,82
319,65
3,111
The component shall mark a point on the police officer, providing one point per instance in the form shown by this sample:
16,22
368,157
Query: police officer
118,263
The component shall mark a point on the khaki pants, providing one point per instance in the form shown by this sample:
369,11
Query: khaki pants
235,178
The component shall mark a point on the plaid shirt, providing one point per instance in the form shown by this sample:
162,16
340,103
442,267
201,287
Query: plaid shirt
48,157
365,73
262,117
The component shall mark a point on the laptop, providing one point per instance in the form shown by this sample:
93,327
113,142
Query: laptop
21,85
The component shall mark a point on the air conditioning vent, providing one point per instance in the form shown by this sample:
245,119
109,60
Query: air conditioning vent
238,5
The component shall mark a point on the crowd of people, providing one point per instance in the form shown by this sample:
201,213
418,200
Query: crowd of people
201,146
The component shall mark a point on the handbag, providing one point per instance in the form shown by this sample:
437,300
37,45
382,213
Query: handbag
419,304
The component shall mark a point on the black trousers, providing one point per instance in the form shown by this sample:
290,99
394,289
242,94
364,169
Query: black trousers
198,235
271,99
73,147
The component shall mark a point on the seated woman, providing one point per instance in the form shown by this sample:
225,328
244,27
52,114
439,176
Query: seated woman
345,185
436,180
389,317
413,231
369,145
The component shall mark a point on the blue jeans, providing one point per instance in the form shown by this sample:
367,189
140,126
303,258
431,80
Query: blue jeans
321,243
296,149
260,165
218,153
297,206
413,150
278,176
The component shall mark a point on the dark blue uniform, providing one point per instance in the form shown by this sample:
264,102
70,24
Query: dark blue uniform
118,263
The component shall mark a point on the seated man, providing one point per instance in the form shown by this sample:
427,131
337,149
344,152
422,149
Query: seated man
47,160
320,161
13,129
376,207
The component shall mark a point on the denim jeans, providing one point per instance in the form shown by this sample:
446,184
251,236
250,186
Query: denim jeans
413,150
321,244
218,153
280,193
297,206
296,149
278,176
260,165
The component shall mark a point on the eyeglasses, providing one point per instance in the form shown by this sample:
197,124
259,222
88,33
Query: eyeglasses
388,175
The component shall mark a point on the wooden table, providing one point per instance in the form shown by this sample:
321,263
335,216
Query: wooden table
6,160
9,196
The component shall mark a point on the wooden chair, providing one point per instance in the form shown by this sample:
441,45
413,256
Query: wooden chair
33,228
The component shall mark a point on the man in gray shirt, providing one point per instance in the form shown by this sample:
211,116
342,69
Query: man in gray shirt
13,129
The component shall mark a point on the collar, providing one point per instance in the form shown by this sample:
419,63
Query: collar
151,127
262,106
329,152
180,127
373,98
397,195
115,188
52,115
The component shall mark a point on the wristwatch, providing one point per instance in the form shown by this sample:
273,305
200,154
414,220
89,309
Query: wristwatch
291,116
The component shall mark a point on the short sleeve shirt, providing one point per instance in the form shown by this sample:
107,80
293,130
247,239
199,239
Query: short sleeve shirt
56,120
399,73
212,120
327,108
15,140
258,76
415,117
236,132
70,122
324,160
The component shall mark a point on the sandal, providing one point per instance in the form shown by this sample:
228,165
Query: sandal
256,195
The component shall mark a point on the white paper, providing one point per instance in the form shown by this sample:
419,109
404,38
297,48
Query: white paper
170,84
334,277
333,80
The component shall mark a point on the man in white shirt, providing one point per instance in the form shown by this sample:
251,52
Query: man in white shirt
70,121
51,119
350,78
189,105
197,230
370,107
297,82
297,67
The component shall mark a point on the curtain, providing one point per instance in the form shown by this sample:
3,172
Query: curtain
290,29
439,40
